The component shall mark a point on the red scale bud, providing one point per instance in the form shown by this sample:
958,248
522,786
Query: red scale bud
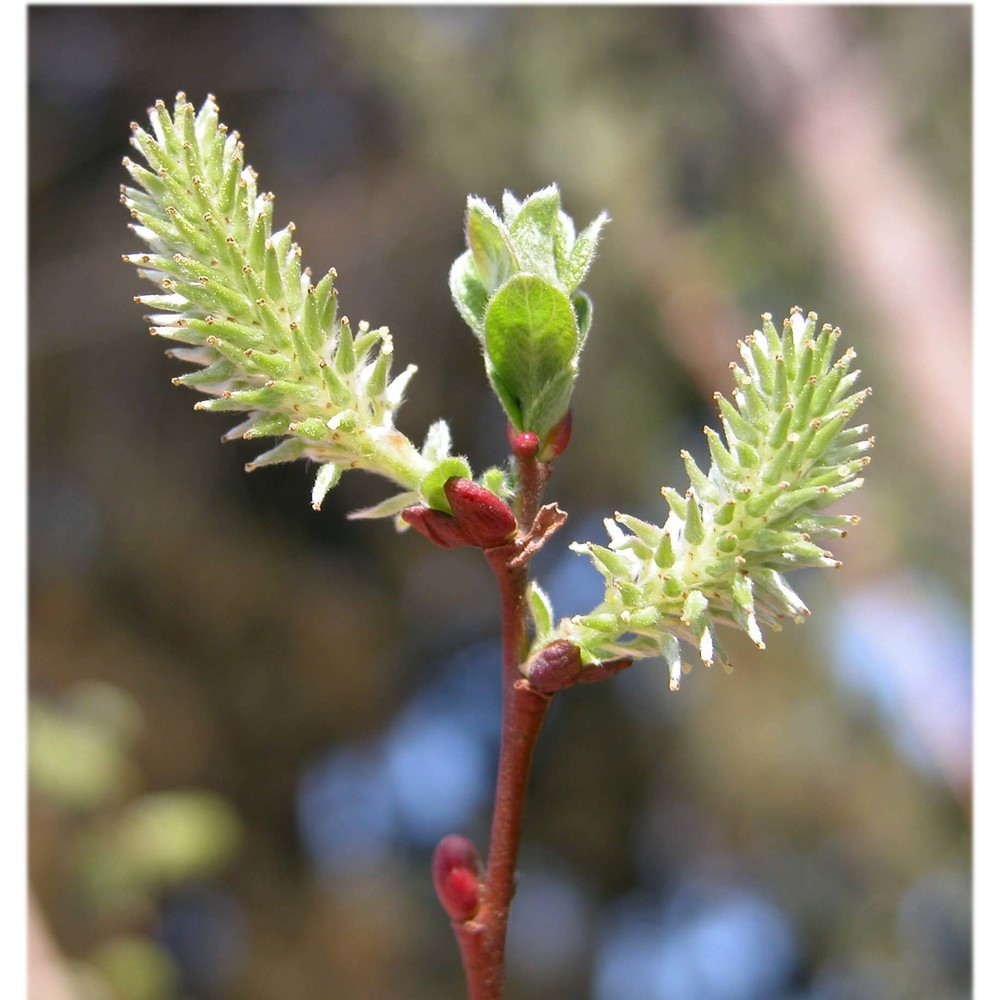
457,880
558,665
523,445
555,666
483,517
557,439
439,527
478,517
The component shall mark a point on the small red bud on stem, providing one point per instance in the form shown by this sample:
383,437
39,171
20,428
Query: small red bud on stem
558,665
524,445
555,666
456,871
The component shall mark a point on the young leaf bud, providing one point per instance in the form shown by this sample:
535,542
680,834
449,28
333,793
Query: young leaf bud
557,439
531,344
523,445
481,515
456,872
517,288
440,528
554,666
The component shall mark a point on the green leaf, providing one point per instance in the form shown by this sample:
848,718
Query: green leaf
531,340
467,292
533,233
551,403
507,398
583,252
565,237
511,206
432,485
489,244
584,310
541,611
496,481
540,210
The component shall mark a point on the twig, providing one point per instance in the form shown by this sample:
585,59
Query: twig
482,936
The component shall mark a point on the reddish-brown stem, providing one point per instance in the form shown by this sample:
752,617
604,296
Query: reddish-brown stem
482,938
531,479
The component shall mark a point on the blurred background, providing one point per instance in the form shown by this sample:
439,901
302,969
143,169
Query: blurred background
250,723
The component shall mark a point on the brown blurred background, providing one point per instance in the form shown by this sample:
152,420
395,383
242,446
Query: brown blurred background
251,722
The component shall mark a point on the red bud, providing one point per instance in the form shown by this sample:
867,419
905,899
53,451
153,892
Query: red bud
524,445
554,666
558,665
456,873
439,527
481,515
558,438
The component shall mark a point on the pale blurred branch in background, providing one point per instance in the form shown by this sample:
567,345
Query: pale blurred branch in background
47,979
827,99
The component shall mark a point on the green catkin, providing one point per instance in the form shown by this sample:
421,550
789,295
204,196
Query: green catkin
787,453
235,290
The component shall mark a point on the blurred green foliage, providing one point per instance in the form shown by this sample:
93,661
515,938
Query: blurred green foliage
119,848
